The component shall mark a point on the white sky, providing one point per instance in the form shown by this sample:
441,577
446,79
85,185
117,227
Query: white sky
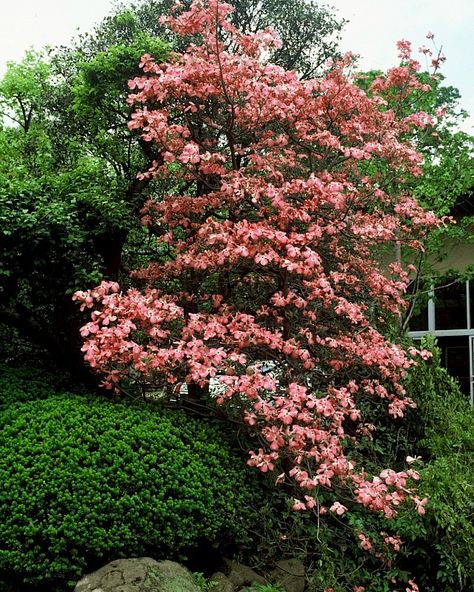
376,25
374,28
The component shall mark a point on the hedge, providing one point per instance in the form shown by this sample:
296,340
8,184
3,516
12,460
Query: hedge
85,480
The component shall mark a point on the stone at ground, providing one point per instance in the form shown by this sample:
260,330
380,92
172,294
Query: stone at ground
221,583
289,573
139,575
240,574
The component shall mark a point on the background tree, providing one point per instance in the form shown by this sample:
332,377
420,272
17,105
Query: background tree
309,31
69,188
446,182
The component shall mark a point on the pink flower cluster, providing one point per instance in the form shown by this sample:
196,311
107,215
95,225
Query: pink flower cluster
273,240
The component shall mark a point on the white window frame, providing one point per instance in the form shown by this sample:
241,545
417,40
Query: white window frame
467,332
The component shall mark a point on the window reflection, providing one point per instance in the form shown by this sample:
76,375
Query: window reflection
419,320
455,358
450,306
417,297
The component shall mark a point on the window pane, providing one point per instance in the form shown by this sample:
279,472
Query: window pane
450,306
419,320
455,358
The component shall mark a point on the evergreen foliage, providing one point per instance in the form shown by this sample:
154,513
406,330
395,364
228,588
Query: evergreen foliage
84,481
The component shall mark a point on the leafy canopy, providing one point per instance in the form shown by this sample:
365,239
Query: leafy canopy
69,195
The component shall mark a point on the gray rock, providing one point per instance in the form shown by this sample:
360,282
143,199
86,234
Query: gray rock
240,574
139,575
289,573
221,583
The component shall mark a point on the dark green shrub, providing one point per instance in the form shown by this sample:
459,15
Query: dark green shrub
17,350
29,384
442,543
85,480
439,546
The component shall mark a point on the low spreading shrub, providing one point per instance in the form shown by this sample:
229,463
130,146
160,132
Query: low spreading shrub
85,480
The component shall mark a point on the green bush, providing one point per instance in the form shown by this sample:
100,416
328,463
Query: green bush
442,543
85,480
17,350
29,384
439,546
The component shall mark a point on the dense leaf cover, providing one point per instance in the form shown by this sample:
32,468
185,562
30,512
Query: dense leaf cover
86,480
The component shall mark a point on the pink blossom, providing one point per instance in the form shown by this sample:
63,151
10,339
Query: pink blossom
338,508
420,504
364,542
412,587
266,282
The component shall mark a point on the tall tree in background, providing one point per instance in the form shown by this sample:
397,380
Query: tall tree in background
446,182
308,29
69,191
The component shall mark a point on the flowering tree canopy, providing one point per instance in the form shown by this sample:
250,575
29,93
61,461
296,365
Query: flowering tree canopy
282,192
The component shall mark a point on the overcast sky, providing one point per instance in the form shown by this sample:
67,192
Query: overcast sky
374,28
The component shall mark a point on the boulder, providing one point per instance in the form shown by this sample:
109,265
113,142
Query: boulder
221,583
290,574
139,575
239,574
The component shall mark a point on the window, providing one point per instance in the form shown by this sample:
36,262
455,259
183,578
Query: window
450,306
449,315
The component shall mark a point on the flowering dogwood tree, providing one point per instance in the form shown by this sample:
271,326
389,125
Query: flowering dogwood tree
283,191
